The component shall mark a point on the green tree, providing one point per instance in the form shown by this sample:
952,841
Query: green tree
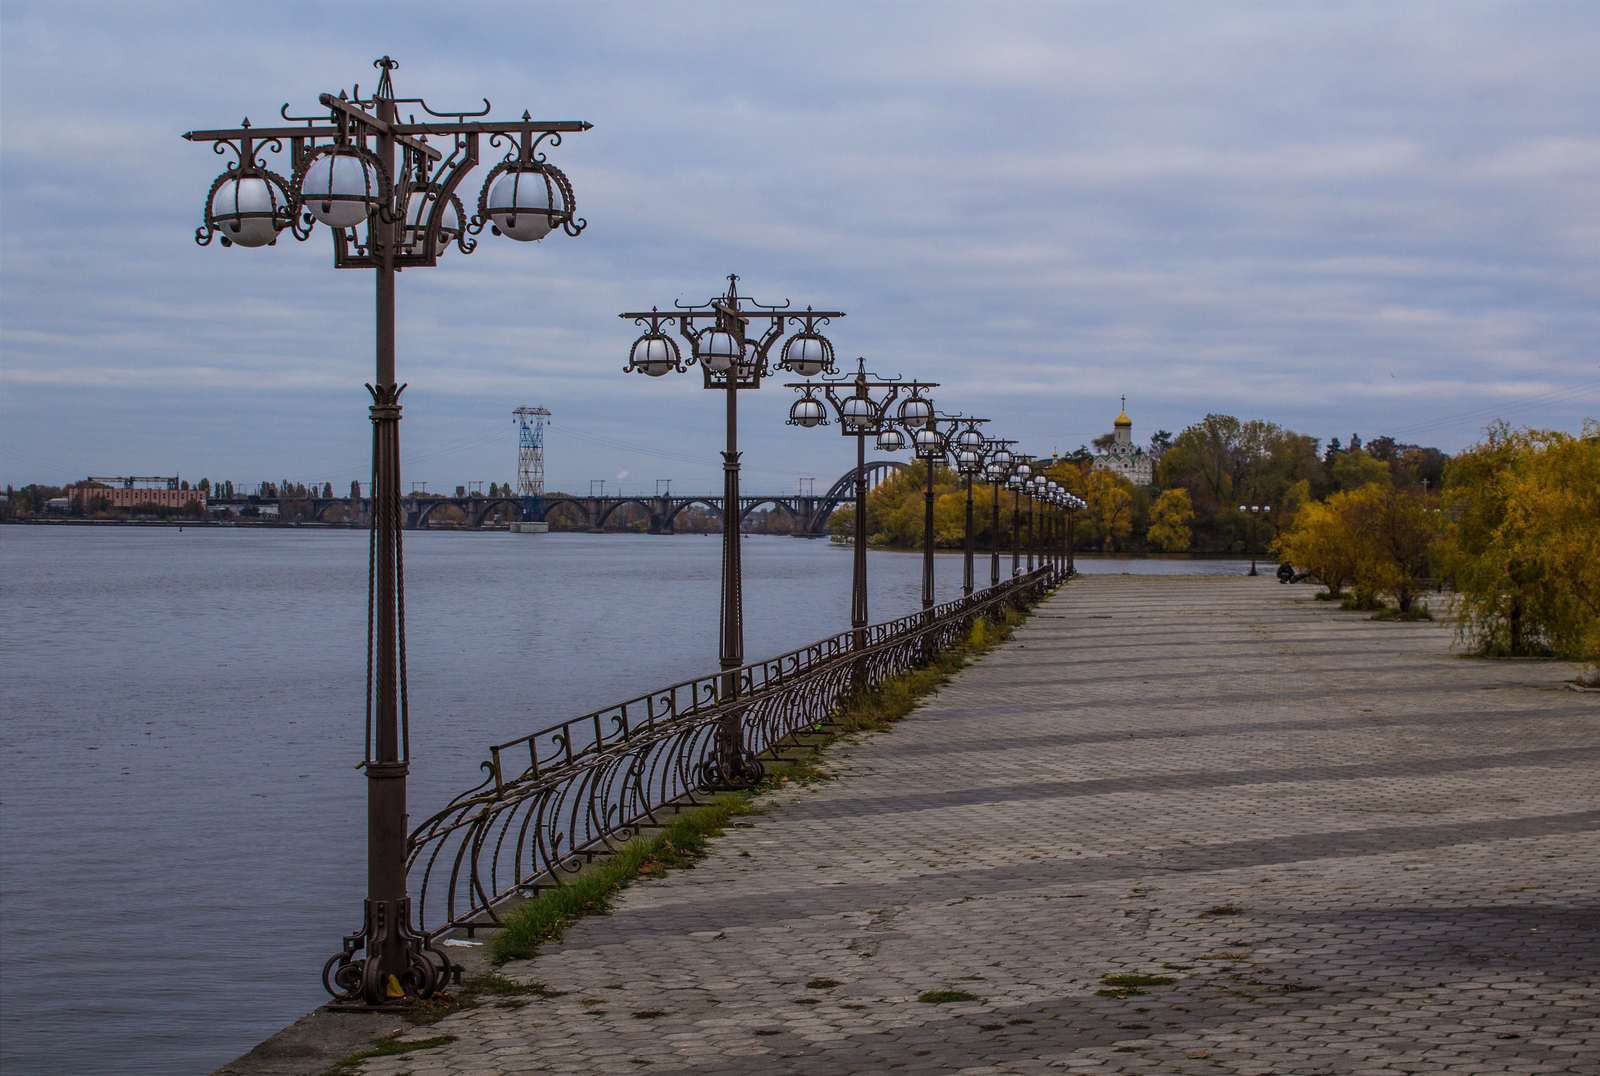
1395,532
1354,468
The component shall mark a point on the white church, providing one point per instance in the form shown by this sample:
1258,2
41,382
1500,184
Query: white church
1125,458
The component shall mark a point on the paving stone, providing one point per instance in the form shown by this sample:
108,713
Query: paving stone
1352,851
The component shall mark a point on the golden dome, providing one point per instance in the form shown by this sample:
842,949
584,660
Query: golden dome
1123,420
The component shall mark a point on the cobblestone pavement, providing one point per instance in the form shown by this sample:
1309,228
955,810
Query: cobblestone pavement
1347,848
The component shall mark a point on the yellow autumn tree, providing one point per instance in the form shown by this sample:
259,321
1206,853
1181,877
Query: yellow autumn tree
1110,512
1524,546
1321,542
1170,521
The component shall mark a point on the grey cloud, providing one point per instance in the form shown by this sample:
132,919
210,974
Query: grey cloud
1362,216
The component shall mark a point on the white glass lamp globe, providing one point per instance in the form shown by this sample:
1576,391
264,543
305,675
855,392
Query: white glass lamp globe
929,444
969,438
915,411
806,412
417,214
340,188
248,211
891,440
653,355
806,354
1024,471
858,413
968,462
524,204
1000,458
718,350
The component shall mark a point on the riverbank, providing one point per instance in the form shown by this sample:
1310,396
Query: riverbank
334,1038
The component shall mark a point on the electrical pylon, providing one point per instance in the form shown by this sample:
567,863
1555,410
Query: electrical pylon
530,450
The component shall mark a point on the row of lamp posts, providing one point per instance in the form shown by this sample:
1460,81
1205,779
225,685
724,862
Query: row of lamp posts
385,189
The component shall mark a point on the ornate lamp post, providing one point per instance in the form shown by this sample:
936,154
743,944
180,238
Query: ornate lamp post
996,467
1036,488
1072,542
1252,513
966,447
731,359
1021,471
1052,502
388,197
862,404
930,439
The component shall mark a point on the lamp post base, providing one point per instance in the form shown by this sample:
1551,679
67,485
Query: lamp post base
395,962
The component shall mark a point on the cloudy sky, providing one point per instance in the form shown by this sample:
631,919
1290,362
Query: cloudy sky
1370,217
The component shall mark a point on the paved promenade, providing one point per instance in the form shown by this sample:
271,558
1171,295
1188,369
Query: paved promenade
1340,847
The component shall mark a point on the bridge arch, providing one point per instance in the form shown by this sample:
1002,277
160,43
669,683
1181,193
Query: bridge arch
606,512
747,506
354,509
490,505
577,506
678,506
425,512
844,489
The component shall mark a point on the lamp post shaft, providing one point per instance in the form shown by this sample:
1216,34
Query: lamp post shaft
732,655
1016,531
1031,540
927,541
858,579
1072,567
994,536
730,734
966,567
387,764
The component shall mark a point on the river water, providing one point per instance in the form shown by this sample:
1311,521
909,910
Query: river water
180,712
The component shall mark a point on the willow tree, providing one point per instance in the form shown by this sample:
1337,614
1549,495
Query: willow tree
1524,547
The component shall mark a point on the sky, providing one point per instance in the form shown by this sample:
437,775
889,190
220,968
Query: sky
1375,218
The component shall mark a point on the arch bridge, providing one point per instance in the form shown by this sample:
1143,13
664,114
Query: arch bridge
809,512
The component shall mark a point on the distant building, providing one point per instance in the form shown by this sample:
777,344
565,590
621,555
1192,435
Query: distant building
1124,458
126,497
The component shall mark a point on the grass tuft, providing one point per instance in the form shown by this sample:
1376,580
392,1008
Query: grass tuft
822,984
1131,985
389,1047
945,997
547,916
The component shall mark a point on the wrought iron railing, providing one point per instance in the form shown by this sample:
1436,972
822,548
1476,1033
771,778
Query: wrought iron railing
550,801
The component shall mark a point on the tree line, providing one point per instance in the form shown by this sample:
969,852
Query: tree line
1202,476
1513,529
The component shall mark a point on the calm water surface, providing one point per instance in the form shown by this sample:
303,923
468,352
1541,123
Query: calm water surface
180,712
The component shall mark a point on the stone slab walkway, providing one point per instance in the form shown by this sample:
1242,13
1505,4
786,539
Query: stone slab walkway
1349,849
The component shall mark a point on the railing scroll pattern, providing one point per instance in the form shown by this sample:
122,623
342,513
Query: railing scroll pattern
552,800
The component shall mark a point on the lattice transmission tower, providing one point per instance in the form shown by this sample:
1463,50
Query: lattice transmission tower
530,450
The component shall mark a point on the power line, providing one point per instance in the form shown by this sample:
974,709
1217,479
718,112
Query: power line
1495,410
